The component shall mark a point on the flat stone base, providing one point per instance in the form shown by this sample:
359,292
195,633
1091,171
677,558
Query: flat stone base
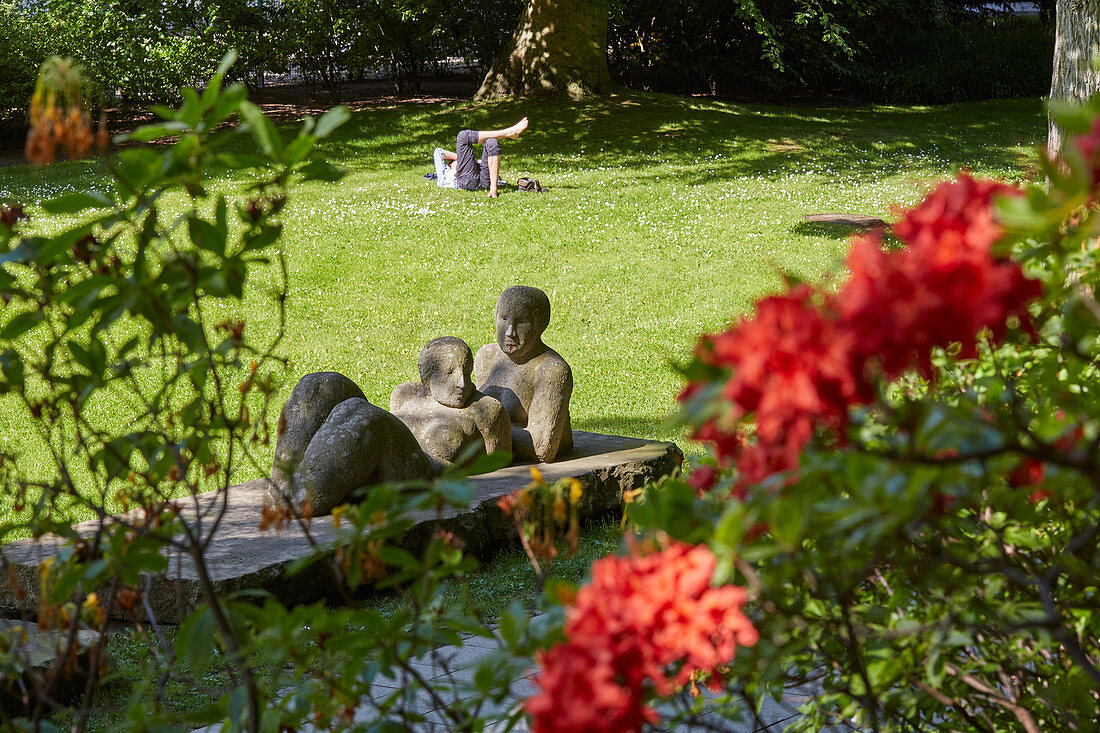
39,652
241,557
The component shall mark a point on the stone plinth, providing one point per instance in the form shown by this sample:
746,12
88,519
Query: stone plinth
242,557
39,651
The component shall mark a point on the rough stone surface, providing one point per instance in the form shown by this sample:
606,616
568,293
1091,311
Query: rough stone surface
444,411
241,557
853,221
332,440
39,652
531,380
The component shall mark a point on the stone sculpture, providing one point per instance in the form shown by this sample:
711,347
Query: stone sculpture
332,441
444,411
529,378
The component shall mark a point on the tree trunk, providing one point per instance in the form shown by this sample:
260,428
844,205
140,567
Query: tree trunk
1076,44
559,49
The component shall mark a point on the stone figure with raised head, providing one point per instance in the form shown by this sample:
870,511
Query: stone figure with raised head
332,441
444,411
529,378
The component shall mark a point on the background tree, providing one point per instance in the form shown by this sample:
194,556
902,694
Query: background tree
559,48
1077,43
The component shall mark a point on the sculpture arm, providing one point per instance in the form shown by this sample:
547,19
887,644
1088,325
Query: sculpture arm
548,416
495,427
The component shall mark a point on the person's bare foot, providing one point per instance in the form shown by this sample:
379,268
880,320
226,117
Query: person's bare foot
516,129
492,194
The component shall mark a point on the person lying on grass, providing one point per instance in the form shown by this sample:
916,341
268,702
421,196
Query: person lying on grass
465,172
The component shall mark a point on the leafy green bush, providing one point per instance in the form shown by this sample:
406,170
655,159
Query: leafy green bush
884,50
23,48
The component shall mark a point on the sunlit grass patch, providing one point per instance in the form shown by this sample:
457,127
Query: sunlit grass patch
666,218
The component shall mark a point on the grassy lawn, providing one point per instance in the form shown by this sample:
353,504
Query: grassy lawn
666,218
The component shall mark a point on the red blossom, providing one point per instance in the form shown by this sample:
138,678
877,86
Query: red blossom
945,287
644,624
703,479
790,371
804,357
1088,144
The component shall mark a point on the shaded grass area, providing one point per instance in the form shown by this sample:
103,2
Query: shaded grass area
666,218
484,593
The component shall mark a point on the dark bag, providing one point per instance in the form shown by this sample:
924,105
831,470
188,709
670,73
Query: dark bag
530,184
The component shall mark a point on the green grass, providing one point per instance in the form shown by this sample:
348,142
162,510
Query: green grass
666,218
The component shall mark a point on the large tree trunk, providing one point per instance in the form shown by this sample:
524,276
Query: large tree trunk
1076,43
559,49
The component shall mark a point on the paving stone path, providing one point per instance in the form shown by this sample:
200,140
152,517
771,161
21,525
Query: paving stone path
452,670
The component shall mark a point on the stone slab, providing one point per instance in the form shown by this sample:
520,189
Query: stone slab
241,557
38,652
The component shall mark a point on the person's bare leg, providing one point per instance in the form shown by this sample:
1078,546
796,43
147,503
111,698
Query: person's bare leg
513,131
494,170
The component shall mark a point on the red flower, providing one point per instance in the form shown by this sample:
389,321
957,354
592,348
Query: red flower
703,479
790,370
943,288
804,357
644,624
1089,146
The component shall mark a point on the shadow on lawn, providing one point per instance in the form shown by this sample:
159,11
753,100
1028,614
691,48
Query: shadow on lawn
630,426
699,140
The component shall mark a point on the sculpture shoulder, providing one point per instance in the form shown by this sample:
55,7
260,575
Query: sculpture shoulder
404,393
551,365
486,408
486,356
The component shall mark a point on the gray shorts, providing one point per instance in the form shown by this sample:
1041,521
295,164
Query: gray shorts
470,174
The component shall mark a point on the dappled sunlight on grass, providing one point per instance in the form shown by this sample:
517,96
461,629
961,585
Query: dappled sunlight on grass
666,218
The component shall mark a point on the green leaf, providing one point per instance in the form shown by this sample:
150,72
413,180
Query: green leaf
513,624
71,203
206,236
21,324
195,639
321,170
212,86
12,368
259,239
488,463
148,133
263,132
330,120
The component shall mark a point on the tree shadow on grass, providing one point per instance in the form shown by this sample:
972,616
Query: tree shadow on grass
700,141
630,426
836,232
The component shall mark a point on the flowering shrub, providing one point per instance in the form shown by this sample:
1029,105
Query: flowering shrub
905,466
640,617
806,356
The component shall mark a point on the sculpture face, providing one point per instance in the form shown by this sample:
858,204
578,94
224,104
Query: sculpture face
521,317
449,379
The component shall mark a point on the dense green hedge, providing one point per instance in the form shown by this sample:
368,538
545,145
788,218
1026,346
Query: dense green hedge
22,51
141,51
902,51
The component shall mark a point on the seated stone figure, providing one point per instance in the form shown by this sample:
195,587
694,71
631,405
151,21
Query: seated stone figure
528,377
444,411
332,441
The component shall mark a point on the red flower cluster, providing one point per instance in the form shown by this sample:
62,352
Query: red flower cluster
644,622
944,287
1089,146
791,372
804,357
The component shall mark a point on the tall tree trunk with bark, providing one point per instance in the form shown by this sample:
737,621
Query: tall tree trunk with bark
558,50
1076,44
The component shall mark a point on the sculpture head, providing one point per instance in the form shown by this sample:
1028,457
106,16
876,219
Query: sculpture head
522,314
446,365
